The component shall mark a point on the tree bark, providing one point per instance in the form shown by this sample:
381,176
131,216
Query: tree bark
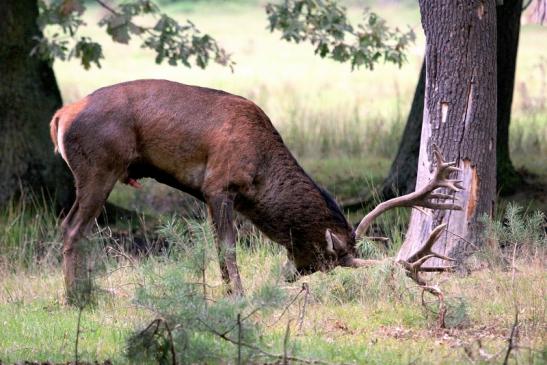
460,118
28,98
508,26
402,174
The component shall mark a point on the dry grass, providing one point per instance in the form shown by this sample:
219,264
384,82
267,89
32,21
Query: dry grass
362,316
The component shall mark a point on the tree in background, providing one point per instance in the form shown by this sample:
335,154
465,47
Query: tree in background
460,118
28,98
28,90
402,175
508,16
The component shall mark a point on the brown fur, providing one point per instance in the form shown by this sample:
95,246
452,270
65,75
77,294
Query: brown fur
219,147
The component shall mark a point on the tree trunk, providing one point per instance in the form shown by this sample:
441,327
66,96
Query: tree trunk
508,25
402,175
28,98
460,118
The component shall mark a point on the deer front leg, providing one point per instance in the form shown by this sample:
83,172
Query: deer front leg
221,211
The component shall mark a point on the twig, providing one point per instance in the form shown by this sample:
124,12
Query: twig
239,339
442,305
108,273
304,286
462,238
80,309
514,267
171,342
286,343
119,253
511,341
154,322
204,278
306,289
158,322
107,7
241,320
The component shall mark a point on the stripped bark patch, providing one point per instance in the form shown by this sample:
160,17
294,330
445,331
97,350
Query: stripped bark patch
452,337
469,107
480,10
473,184
444,111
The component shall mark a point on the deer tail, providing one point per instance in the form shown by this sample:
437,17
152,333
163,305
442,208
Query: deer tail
53,127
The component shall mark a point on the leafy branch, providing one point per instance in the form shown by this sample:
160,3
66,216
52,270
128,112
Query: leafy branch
325,25
171,41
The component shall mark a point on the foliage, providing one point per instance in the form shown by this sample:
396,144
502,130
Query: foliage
171,41
190,318
517,234
325,24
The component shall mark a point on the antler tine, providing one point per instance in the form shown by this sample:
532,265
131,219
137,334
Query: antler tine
441,196
454,185
444,206
438,155
416,264
438,269
426,249
413,265
422,197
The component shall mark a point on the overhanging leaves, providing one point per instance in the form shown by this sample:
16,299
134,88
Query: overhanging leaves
171,41
325,25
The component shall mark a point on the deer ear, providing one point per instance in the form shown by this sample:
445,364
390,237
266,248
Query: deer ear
334,243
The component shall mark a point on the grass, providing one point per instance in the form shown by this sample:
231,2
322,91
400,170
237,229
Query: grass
370,316
37,325
344,127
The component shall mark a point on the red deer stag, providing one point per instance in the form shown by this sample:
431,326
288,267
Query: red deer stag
223,150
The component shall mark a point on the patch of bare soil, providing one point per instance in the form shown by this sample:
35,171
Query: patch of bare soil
453,337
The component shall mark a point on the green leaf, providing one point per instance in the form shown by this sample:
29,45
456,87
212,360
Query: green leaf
88,52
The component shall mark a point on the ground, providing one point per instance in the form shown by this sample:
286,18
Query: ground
344,127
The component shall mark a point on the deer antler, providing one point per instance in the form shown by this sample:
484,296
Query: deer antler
413,264
413,267
425,197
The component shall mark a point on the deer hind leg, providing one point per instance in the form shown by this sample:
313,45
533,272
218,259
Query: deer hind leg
221,211
92,191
